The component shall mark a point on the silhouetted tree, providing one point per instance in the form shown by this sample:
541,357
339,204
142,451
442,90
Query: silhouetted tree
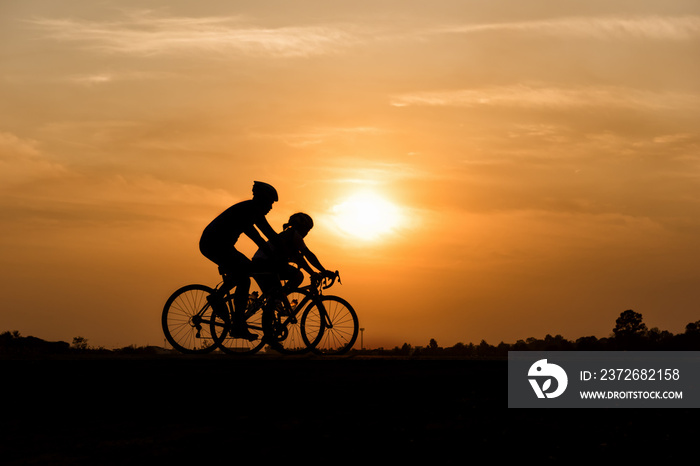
80,343
658,339
690,340
433,344
630,331
484,349
502,349
590,343
8,340
519,345
693,327
405,349
629,324
459,349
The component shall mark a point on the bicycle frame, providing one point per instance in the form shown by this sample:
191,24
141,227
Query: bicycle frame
315,290
310,292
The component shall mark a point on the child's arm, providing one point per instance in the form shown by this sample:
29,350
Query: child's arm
311,257
306,254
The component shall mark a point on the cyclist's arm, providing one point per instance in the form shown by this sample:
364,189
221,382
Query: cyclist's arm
306,254
301,262
253,234
310,256
264,226
266,229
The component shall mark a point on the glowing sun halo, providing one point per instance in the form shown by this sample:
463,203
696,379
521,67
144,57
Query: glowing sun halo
366,216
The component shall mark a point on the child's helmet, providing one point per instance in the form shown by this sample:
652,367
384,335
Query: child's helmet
301,221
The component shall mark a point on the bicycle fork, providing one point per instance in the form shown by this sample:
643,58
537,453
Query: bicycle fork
326,318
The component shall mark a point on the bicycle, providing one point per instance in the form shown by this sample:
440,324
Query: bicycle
290,324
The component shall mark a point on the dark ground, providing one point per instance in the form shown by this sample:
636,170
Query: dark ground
223,410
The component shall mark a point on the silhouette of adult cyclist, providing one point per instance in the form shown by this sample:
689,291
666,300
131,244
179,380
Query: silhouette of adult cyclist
218,244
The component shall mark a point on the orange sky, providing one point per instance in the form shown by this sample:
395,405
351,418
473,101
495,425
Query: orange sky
541,159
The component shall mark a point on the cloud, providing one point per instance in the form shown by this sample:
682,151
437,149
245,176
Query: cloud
550,97
96,79
144,33
320,135
36,187
22,161
648,27
81,200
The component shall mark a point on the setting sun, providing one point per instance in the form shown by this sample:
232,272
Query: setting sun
366,216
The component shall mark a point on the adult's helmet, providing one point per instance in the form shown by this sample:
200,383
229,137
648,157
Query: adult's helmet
301,221
264,191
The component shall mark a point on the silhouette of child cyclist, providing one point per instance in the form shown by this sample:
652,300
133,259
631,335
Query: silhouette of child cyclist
218,243
274,260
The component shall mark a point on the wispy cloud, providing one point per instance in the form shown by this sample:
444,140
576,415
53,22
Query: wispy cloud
551,97
320,135
110,77
145,33
646,27
22,161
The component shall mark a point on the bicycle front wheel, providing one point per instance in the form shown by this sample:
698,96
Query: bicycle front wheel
186,320
338,322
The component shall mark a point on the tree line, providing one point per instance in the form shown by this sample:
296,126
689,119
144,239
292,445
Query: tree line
629,334
12,343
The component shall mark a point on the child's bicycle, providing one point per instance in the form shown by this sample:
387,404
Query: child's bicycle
304,320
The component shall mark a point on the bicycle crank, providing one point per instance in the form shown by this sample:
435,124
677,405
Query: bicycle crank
280,331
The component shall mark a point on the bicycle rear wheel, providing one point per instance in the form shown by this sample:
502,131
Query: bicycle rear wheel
186,320
339,331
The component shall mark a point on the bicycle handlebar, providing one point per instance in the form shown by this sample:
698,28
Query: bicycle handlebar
336,276
322,280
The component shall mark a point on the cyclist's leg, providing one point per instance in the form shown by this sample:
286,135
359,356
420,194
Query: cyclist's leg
241,269
236,268
266,273
220,255
263,275
269,274
240,298
293,276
